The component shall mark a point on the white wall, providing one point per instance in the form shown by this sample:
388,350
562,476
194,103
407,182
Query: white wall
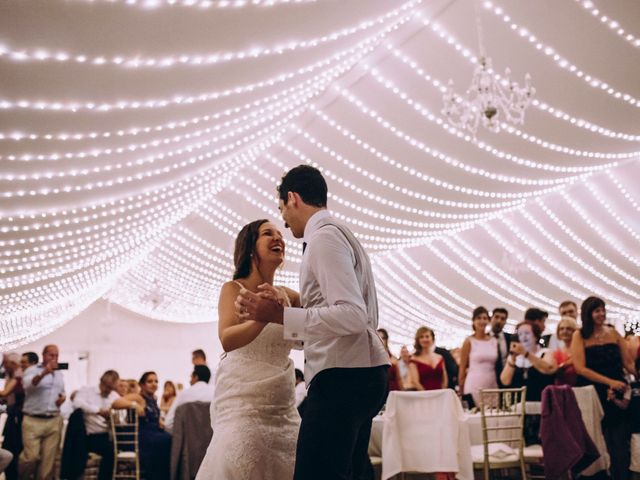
111,337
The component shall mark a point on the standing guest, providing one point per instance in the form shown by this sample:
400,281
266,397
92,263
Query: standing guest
539,317
42,423
155,442
168,397
200,391
450,366
568,308
28,359
395,382
599,357
529,366
95,403
498,320
427,370
478,358
13,396
566,374
198,357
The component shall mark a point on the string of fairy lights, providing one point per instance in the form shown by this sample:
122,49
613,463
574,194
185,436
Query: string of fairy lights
137,199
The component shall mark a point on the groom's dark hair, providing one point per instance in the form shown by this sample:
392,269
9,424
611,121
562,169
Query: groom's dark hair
307,182
245,248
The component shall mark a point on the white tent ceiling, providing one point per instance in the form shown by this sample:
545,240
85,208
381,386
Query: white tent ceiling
138,136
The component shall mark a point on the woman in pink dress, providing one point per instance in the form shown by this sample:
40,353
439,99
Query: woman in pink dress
478,358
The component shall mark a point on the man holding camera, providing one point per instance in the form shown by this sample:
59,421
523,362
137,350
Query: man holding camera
42,423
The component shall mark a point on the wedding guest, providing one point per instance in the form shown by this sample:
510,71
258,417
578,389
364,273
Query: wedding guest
301,388
404,363
568,308
155,442
122,388
199,391
13,396
633,348
395,382
427,370
539,317
95,403
599,357
478,358
530,366
28,359
566,374
168,397
134,386
499,318
198,357
42,423
450,366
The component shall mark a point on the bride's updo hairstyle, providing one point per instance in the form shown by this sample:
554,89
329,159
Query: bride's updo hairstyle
245,248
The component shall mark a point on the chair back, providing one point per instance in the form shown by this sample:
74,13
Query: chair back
124,434
425,432
502,414
191,436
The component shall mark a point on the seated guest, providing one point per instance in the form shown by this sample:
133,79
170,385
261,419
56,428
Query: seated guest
198,357
168,397
200,391
95,403
301,387
566,374
531,366
600,358
122,388
134,386
427,370
154,441
394,378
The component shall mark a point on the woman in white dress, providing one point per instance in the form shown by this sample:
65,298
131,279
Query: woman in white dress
254,419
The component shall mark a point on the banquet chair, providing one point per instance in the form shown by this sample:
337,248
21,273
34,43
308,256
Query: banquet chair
502,420
126,454
425,432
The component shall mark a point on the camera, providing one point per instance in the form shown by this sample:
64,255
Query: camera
62,366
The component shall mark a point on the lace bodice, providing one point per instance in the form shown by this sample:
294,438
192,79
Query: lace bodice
268,347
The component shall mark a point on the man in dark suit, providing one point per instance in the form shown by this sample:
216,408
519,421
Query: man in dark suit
498,320
450,366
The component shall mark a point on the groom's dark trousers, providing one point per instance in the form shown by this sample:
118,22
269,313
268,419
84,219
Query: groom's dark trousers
336,424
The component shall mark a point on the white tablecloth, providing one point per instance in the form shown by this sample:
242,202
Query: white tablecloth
423,432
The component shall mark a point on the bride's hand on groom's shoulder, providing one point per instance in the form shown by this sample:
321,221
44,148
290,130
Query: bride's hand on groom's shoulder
261,307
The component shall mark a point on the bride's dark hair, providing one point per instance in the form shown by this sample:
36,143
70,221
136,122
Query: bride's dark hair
245,248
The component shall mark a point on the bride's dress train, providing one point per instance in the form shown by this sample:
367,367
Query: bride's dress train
254,419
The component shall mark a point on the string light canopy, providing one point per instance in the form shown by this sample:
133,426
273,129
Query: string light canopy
138,137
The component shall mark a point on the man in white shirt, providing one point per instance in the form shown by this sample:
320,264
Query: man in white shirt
96,403
200,391
42,423
346,365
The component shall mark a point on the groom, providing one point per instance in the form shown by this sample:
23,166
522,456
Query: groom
345,362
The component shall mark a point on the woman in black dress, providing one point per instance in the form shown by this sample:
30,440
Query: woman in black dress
600,359
155,442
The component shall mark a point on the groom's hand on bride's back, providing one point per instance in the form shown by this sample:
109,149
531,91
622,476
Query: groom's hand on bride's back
263,306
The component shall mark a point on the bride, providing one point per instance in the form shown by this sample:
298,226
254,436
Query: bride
253,415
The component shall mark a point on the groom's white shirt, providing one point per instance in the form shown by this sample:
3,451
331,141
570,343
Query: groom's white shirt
340,316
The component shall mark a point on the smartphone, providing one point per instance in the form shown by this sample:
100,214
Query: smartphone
63,366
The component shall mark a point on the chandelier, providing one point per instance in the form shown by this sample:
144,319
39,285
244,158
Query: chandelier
489,100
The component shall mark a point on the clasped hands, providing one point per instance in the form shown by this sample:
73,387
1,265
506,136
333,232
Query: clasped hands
265,306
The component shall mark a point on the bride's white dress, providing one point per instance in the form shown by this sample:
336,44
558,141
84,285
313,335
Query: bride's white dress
254,419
